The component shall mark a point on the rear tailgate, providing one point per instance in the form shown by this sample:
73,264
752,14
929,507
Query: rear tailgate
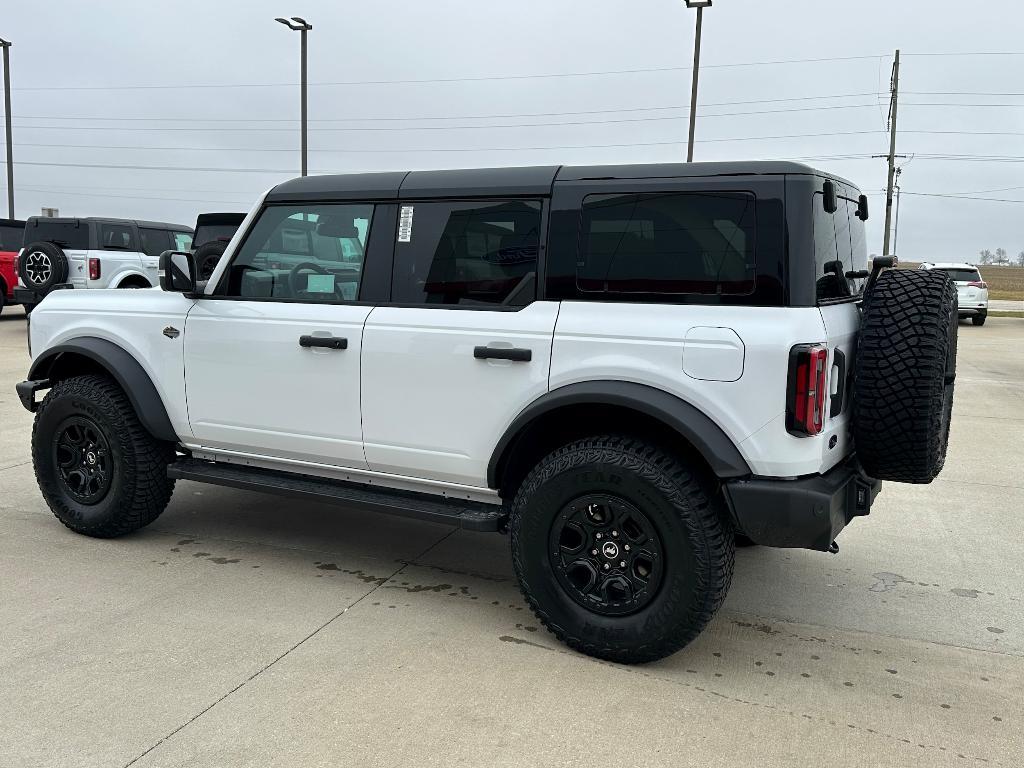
842,324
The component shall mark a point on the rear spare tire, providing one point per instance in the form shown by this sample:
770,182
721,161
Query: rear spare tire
42,265
206,258
903,375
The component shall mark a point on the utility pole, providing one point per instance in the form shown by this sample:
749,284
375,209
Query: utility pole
892,149
5,44
700,5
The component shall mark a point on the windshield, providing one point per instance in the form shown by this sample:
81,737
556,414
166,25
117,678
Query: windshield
66,234
963,275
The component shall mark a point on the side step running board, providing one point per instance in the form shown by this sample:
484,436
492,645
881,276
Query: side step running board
473,516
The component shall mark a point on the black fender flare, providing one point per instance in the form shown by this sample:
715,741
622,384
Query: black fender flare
124,369
690,422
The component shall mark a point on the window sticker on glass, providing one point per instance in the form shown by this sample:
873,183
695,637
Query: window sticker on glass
320,284
405,225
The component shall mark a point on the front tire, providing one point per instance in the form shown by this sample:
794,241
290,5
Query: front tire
619,550
979,319
101,473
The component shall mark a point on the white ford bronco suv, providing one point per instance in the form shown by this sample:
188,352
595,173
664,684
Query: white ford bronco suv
624,367
93,253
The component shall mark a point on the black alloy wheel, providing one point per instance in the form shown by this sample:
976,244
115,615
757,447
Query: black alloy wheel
606,554
82,457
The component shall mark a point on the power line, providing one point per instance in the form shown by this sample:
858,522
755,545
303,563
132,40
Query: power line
423,81
264,129
48,190
964,197
437,117
357,151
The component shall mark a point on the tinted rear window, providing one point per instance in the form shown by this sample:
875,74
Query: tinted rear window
11,237
66,234
963,275
667,243
840,246
209,232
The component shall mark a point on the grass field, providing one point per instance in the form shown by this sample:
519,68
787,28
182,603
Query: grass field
1003,282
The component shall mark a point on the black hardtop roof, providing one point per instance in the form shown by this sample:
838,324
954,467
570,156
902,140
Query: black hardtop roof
109,220
515,181
12,223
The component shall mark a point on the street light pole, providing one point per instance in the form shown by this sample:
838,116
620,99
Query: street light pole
700,5
302,27
5,44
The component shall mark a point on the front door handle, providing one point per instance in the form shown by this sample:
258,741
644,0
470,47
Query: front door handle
503,353
329,342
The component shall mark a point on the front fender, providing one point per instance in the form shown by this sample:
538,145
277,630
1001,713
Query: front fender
59,362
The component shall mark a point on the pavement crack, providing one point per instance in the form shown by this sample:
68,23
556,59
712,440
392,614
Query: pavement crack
268,665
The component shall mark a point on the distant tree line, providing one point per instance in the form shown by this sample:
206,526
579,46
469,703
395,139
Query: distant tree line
1000,257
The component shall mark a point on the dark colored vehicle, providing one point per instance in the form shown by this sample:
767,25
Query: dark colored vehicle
212,235
12,233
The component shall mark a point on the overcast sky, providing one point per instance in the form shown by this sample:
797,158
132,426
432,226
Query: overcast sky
209,86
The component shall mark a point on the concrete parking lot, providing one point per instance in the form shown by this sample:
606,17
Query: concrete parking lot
241,629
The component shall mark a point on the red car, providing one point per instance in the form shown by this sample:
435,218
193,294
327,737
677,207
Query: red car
12,233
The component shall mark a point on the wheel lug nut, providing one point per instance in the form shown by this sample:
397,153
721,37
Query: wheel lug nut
626,547
622,564
606,566
593,551
599,536
615,533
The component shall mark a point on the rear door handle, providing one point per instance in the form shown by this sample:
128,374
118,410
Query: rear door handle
503,353
330,342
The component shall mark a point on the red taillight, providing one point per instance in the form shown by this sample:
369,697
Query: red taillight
978,284
806,393
94,268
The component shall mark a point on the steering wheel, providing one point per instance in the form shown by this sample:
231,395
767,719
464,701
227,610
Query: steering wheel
293,277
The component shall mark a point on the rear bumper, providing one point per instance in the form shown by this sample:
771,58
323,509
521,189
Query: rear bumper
29,296
808,512
968,310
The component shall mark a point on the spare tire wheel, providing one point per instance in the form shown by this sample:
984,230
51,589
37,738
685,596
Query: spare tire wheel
206,258
903,375
42,265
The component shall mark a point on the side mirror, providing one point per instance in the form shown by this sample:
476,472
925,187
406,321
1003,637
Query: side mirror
829,197
862,207
177,272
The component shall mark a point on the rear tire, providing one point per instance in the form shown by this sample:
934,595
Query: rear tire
979,319
101,473
630,503
903,375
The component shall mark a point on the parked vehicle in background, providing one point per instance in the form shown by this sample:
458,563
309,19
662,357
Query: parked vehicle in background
93,253
212,234
971,290
622,366
11,234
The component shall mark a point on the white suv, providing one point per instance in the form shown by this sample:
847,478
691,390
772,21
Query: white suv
971,290
93,253
624,367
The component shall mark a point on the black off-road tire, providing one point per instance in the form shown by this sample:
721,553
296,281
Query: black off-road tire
696,541
903,375
206,258
42,265
979,319
139,489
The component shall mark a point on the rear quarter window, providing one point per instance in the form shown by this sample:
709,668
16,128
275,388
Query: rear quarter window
667,243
